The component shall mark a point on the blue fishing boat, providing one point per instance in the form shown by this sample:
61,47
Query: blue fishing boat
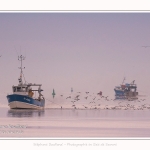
127,90
23,96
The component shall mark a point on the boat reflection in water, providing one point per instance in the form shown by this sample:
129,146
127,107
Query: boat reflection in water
25,113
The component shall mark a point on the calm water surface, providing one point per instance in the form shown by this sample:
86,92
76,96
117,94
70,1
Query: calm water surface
83,123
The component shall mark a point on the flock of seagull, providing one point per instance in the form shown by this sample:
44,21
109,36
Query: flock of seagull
92,101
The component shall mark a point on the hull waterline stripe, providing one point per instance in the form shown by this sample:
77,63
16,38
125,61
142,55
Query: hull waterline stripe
26,104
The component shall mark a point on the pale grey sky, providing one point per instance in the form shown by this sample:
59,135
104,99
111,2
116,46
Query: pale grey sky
86,51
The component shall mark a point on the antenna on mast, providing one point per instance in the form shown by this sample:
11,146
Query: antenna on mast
21,58
123,80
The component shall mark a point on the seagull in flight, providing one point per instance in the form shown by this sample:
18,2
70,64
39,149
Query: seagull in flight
145,46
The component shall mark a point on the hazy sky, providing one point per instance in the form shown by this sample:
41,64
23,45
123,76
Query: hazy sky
86,51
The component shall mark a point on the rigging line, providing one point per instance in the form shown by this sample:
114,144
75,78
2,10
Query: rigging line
20,50
25,52
24,78
1,54
55,103
16,51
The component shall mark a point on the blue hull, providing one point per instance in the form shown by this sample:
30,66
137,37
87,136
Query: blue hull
22,101
119,93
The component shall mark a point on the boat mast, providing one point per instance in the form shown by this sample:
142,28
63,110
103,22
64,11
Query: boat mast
123,80
21,58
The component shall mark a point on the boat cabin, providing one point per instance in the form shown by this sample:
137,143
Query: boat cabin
26,89
20,89
23,90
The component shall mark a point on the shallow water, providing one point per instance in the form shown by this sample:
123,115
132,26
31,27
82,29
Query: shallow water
71,123
82,115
